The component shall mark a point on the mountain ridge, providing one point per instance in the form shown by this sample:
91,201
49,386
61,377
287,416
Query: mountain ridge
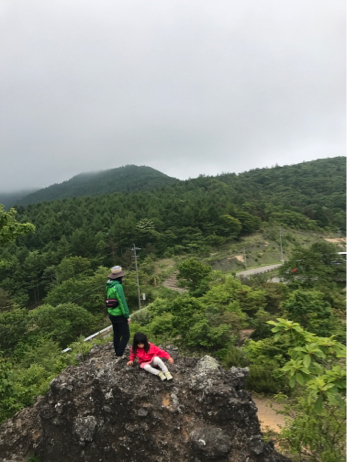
132,178
125,179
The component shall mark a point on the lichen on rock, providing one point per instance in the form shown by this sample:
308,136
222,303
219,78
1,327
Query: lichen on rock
103,410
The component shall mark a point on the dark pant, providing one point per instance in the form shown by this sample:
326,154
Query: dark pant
121,333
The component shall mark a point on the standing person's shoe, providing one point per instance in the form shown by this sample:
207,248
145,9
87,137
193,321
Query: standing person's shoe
168,376
162,376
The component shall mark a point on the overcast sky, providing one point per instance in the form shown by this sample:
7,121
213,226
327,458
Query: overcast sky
186,87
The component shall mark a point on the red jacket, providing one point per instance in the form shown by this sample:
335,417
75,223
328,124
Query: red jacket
148,357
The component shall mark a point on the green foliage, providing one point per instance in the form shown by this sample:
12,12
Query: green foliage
235,297
183,217
87,291
317,438
13,325
261,379
261,327
44,352
294,220
266,357
312,312
194,275
161,326
6,389
202,334
35,367
233,356
229,226
192,322
314,364
10,228
72,267
143,316
63,323
186,310
314,267
6,303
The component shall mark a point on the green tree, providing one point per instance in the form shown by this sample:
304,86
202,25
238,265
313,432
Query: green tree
312,312
228,226
317,427
73,267
313,266
194,275
13,325
6,303
63,323
88,292
10,228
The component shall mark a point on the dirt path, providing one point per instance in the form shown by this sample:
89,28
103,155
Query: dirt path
267,415
337,240
172,283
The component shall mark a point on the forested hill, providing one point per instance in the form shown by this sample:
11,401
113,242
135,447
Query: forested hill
316,188
10,199
123,179
190,214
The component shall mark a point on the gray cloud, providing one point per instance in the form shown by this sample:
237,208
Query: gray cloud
186,87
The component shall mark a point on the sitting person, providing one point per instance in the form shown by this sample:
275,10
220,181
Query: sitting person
149,355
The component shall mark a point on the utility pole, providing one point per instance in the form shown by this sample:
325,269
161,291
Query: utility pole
244,256
281,245
134,248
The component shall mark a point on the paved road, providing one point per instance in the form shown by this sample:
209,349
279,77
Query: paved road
263,269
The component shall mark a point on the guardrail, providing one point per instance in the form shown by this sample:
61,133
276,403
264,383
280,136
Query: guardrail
259,270
100,332
91,337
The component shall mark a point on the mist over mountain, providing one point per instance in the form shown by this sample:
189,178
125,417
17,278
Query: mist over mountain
9,199
125,179
301,185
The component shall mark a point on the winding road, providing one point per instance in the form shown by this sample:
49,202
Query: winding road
263,269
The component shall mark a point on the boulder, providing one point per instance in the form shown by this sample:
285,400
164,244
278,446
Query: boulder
102,410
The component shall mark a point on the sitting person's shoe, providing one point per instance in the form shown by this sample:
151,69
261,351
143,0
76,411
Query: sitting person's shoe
168,376
162,376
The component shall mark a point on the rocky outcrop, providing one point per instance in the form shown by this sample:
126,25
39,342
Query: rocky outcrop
102,410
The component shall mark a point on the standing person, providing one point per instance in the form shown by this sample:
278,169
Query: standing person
149,356
119,312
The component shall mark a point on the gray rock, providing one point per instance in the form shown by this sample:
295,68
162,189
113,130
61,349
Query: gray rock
206,364
142,412
84,427
210,442
102,410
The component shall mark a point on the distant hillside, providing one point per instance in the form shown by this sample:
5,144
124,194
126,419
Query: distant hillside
193,216
316,189
123,179
10,199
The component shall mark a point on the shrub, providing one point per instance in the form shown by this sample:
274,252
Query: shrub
261,379
234,356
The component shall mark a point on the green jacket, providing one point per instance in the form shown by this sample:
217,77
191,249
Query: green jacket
115,290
